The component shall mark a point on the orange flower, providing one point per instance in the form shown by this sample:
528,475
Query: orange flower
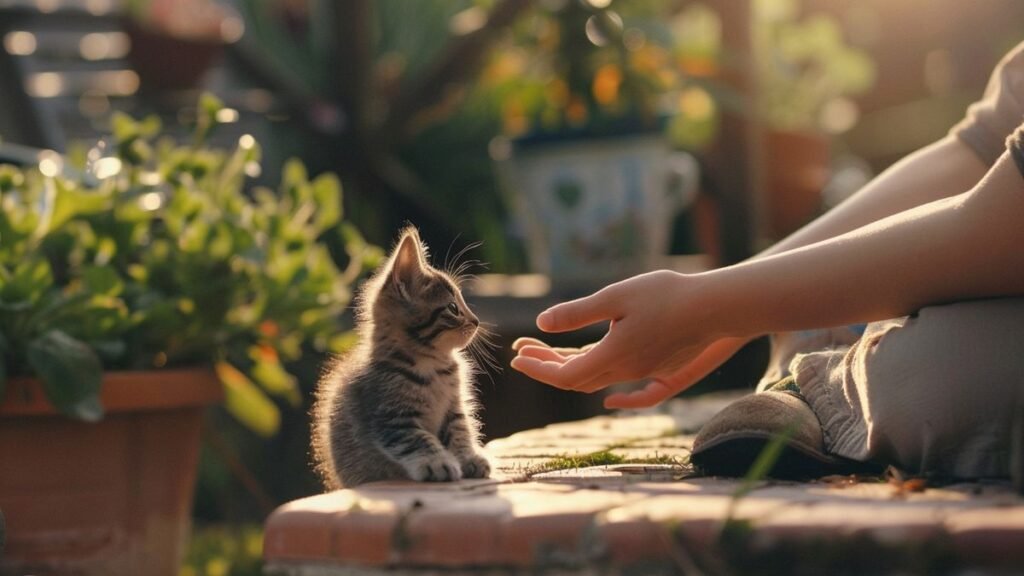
267,353
606,84
269,329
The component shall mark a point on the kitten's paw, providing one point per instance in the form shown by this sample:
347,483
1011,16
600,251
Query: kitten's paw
435,468
475,465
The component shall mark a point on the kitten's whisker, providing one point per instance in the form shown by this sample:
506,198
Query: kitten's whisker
449,250
482,348
484,358
456,271
461,281
467,248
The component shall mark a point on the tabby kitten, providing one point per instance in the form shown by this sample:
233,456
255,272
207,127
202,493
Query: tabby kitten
400,405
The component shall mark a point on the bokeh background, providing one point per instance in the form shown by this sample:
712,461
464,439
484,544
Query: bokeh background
428,110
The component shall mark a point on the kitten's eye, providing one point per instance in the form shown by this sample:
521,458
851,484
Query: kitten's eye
453,308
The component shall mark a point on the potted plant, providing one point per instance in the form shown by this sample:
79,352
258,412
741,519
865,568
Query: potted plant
132,293
590,175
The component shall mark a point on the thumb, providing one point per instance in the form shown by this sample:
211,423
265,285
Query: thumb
597,307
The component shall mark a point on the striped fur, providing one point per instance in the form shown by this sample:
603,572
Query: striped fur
400,405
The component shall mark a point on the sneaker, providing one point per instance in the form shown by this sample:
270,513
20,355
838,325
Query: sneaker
730,442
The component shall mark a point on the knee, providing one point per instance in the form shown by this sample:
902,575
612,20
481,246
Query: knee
941,388
967,344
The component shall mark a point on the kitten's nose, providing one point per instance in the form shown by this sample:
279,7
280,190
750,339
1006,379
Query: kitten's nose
474,321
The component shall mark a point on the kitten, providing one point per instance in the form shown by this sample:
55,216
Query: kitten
400,405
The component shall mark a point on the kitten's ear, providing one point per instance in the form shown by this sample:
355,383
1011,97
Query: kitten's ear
408,264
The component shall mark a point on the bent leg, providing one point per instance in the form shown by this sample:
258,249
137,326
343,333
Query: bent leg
787,345
936,392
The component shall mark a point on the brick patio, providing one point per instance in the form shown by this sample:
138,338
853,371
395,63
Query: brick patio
636,517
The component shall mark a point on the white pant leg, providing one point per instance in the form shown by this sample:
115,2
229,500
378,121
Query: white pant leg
935,392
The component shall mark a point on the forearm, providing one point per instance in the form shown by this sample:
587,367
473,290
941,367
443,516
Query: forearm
963,247
943,169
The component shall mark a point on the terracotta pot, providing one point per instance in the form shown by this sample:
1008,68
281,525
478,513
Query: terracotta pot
108,498
165,62
796,169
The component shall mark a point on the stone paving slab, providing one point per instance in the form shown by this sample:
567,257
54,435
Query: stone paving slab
632,516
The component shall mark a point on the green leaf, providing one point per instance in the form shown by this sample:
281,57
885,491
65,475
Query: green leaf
246,403
206,116
123,127
268,372
29,279
294,173
71,201
327,195
373,257
71,373
10,178
763,464
194,237
102,280
149,126
295,183
106,249
210,104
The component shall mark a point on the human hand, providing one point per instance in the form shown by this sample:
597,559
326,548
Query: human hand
522,343
654,331
661,389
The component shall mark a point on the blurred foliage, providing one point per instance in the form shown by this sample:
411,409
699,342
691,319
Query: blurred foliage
434,170
594,68
599,67
583,67
805,69
224,550
300,35
155,255
403,101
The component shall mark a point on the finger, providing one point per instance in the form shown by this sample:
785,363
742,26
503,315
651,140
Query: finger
521,342
569,374
541,353
690,373
654,393
597,307
658,390
536,368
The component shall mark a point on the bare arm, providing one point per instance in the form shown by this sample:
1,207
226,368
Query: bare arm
970,245
962,247
939,170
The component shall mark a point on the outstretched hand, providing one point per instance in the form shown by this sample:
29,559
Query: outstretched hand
661,389
654,332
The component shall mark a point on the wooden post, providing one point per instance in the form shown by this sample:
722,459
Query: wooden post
738,152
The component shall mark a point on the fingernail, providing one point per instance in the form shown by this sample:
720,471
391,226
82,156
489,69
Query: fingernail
544,319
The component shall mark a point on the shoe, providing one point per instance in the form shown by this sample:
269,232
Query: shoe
732,440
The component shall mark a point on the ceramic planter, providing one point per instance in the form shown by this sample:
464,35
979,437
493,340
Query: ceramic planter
108,498
596,210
